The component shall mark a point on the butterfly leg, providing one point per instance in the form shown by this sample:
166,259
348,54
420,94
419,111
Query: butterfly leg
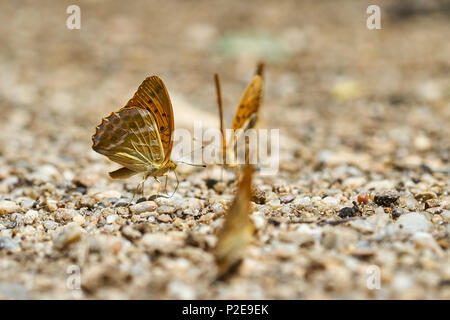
143,187
165,184
134,193
159,185
178,183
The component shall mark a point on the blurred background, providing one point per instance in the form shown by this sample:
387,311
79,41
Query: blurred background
325,69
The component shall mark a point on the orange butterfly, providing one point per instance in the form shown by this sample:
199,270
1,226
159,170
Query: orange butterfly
247,112
139,136
237,230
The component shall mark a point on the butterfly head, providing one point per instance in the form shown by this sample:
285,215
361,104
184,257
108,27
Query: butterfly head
171,165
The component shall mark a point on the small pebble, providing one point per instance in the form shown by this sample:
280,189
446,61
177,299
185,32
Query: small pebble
386,199
331,201
424,196
220,187
164,218
397,212
347,212
302,202
287,198
50,225
111,218
274,204
413,222
8,244
69,234
165,210
363,198
258,195
130,233
30,216
431,203
79,219
146,206
210,183
8,207
107,195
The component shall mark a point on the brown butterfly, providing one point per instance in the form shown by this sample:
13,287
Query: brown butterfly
237,230
247,111
139,136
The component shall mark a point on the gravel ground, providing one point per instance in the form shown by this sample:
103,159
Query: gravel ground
363,186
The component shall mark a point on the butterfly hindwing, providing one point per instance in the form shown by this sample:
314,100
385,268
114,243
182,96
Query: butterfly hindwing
130,137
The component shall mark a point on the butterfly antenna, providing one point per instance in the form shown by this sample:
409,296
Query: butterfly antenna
219,101
222,124
193,164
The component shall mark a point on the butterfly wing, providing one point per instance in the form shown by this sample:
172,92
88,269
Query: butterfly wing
131,138
238,229
152,95
249,104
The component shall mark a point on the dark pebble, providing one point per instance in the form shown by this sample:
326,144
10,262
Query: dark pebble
397,212
386,199
141,200
275,222
210,183
347,212
120,204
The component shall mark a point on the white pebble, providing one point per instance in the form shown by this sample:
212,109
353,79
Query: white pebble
180,290
8,207
111,218
413,222
331,201
302,202
274,204
146,206
30,216
258,221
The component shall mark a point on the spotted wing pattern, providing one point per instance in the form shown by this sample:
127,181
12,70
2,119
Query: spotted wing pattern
152,95
131,138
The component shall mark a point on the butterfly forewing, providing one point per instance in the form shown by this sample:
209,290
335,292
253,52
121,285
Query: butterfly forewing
249,104
152,95
238,229
131,138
